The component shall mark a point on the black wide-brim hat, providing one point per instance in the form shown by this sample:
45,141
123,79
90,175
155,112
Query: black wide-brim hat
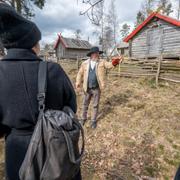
15,30
94,50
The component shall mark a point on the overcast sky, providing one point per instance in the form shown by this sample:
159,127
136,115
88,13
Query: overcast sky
63,16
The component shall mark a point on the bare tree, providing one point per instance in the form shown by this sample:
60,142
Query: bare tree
148,6
112,20
108,37
93,11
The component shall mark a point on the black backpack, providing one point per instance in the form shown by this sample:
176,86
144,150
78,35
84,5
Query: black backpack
53,153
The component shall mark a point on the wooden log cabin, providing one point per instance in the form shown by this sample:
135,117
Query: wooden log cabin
157,35
69,48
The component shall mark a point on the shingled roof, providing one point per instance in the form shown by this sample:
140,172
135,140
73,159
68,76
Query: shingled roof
72,43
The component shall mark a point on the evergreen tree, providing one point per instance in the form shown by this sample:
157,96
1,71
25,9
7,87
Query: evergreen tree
140,17
25,7
125,30
165,6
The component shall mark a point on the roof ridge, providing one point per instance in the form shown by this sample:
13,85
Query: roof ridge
72,42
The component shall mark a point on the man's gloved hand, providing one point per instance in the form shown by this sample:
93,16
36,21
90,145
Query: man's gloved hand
116,60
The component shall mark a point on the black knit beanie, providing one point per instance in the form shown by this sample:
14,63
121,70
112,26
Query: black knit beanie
15,30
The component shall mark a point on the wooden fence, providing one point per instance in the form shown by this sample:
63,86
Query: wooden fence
168,70
161,69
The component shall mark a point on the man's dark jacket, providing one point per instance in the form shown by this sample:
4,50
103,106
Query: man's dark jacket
18,101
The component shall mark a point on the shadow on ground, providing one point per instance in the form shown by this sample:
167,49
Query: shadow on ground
114,100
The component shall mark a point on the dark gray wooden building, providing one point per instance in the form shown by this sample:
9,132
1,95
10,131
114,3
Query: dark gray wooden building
123,49
157,35
68,48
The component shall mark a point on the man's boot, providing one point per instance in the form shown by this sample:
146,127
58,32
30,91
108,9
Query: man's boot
94,124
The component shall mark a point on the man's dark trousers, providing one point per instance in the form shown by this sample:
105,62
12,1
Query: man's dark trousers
93,94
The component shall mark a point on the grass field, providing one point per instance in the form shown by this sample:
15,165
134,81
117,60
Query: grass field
138,133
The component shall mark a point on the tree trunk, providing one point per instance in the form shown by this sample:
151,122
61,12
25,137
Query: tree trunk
102,27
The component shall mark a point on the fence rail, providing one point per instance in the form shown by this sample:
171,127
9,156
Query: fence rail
168,70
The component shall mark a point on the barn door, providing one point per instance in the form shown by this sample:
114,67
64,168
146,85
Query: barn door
154,42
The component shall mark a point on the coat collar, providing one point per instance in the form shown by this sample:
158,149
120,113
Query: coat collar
97,62
21,55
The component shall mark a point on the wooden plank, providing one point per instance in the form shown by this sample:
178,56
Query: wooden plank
168,79
131,74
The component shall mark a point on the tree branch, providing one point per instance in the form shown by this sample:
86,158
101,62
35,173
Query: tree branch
91,6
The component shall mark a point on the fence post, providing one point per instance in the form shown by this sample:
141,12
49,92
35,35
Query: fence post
77,63
158,70
119,69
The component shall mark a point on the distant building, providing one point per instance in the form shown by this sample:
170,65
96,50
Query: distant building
123,49
157,35
68,48
48,52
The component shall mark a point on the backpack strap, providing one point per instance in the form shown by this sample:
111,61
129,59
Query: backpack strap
42,85
68,138
70,144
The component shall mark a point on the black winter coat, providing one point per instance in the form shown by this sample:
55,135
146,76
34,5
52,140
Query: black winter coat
18,102
18,89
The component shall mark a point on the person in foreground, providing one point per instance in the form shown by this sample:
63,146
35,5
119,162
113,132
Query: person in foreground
92,74
19,87
177,176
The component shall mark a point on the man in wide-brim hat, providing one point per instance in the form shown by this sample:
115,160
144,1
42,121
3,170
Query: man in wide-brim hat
92,75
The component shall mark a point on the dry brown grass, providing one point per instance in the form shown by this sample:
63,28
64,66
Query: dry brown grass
138,133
